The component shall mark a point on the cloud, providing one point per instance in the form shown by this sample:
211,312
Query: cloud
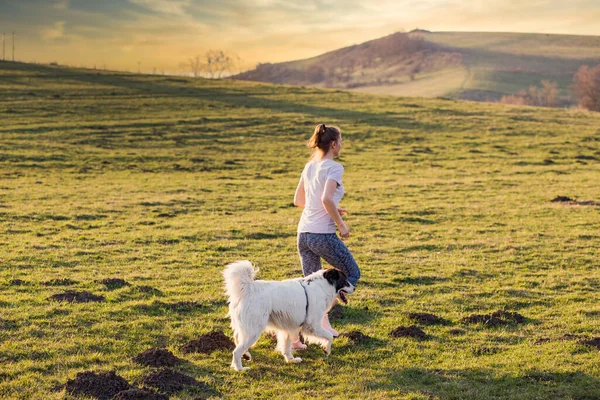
61,4
56,31
170,7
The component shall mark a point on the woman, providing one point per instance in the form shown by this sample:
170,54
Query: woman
319,192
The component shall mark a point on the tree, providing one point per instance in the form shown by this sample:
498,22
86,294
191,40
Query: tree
586,86
216,63
195,65
548,94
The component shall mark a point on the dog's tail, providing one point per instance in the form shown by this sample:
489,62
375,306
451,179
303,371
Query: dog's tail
239,277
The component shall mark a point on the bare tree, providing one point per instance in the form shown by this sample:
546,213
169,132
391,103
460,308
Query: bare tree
586,86
195,65
548,94
213,64
219,62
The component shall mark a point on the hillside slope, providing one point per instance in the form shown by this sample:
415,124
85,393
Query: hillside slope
467,65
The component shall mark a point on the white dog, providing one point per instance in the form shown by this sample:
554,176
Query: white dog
283,307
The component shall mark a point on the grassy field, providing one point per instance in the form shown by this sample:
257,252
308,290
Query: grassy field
162,181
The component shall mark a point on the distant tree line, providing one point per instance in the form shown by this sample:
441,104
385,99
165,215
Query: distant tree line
546,96
585,88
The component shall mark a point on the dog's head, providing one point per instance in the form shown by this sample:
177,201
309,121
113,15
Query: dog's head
339,281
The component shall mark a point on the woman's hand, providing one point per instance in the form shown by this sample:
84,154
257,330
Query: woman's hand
344,231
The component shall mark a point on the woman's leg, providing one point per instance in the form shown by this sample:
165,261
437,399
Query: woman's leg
335,252
310,263
331,248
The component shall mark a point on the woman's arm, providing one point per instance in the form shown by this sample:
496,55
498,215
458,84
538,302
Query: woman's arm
331,209
299,197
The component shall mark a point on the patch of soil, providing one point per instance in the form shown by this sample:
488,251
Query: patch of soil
169,381
427,319
456,331
336,312
213,341
570,201
140,394
60,282
412,331
594,342
357,336
497,318
157,358
18,282
77,297
114,283
103,385
561,199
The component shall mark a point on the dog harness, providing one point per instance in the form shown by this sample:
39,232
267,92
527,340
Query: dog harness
306,311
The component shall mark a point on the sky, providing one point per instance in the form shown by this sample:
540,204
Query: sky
146,35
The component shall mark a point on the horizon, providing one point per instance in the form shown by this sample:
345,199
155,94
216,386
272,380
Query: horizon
161,35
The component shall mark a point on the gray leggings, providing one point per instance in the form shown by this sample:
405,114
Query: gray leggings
314,246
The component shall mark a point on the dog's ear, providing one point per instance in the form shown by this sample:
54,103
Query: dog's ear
335,277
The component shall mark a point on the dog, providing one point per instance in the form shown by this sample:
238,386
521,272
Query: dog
282,307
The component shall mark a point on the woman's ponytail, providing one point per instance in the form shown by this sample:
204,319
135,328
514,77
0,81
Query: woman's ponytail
322,137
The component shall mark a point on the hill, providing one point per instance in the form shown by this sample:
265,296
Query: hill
464,65
128,194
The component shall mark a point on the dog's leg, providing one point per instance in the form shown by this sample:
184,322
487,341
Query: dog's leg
320,335
284,344
247,355
244,344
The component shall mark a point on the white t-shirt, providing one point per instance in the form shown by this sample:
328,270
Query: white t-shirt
315,218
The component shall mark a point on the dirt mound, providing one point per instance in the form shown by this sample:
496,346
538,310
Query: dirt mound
157,358
561,199
497,318
427,319
114,283
103,385
357,336
60,282
412,331
169,381
215,340
140,394
570,201
594,342
73,296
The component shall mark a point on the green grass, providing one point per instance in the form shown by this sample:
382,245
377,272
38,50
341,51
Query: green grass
162,181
